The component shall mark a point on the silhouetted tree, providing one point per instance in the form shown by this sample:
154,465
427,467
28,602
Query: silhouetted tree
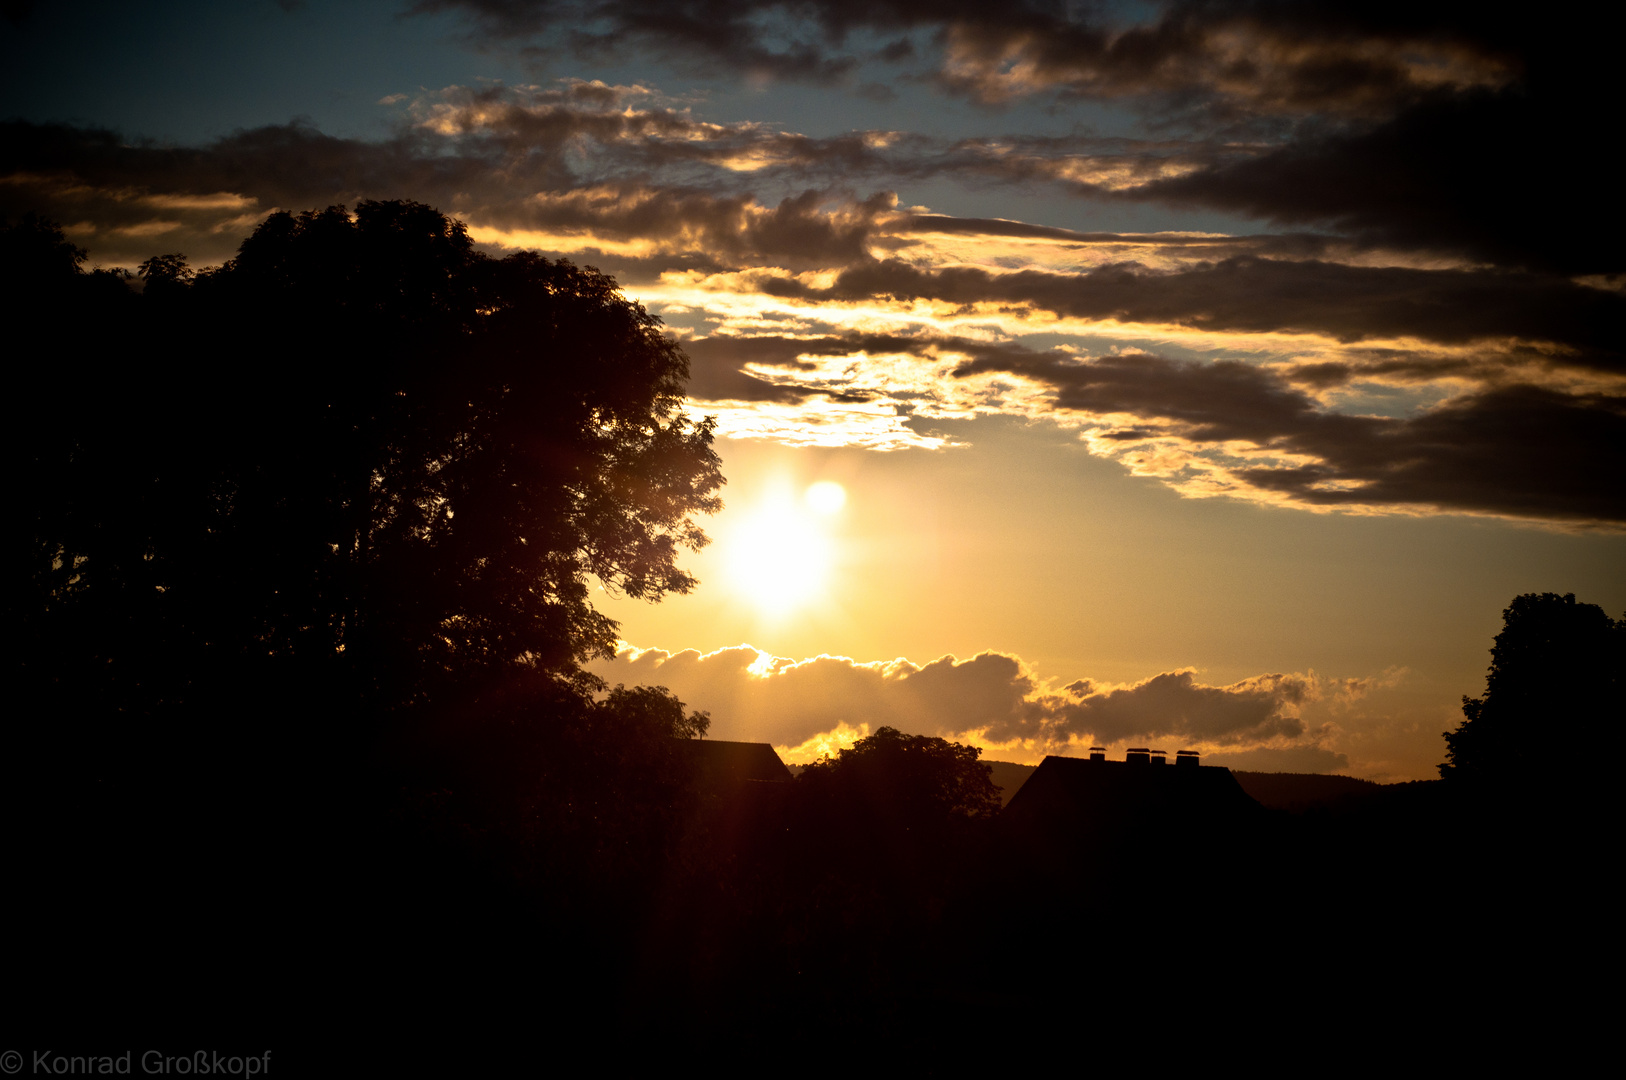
33,252
897,806
301,550
362,458
1556,672
162,271
911,779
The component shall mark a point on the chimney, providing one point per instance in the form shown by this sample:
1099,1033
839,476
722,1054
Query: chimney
1098,753
1137,755
1186,757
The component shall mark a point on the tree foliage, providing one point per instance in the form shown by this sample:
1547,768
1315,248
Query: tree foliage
912,779
1557,672
299,556
361,455
877,840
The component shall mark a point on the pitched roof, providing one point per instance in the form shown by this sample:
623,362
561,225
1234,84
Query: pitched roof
719,763
1069,802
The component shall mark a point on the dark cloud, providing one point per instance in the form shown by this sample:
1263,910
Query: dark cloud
1445,127
1522,451
689,34
1496,364
812,229
717,361
964,226
1210,247
1176,705
126,193
1251,295
1418,130
1226,61
715,365
1501,447
1225,58
1519,450
511,163
1507,180
585,157
484,153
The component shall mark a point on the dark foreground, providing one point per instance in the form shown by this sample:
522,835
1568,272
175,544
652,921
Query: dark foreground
410,900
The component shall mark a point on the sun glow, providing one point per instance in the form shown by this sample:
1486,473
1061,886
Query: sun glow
826,497
781,555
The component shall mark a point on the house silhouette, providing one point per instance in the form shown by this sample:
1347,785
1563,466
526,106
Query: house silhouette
1074,809
719,765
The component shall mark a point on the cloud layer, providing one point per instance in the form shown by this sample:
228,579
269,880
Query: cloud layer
992,699
1456,126
1427,319
1233,58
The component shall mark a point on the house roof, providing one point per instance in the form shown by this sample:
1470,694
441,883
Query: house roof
1073,801
719,763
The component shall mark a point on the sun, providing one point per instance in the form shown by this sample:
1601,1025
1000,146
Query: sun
826,497
780,555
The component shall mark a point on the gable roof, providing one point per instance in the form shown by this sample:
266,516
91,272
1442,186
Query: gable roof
718,763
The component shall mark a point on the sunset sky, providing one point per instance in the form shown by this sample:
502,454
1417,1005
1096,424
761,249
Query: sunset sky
1186,375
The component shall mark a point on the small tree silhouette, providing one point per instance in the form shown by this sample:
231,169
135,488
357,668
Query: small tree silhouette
1556,669
893,784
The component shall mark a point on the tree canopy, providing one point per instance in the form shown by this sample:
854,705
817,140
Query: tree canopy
896,776
299,561
1557,671
362,451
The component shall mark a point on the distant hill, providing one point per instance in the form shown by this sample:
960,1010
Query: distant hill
1299,793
